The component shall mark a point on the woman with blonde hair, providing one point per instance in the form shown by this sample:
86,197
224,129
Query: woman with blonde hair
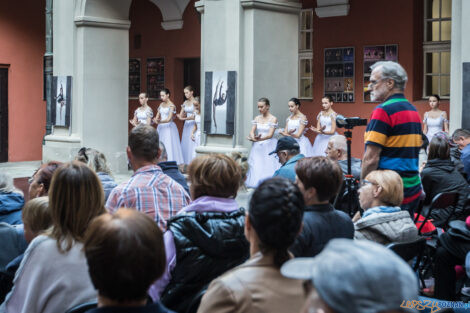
53,275
380,196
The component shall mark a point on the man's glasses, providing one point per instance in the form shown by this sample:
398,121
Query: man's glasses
373,83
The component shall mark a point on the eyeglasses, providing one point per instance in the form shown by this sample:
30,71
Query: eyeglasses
365,182
373,83
82,152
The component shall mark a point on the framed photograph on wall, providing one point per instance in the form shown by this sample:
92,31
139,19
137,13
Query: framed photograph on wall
155,77
374,54
61,100
339,74
134,78
219,102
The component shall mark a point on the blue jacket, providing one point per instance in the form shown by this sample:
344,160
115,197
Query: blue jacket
288,169
171,169
10,208
465,158
108,184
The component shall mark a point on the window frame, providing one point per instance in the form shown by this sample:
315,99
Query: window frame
305,54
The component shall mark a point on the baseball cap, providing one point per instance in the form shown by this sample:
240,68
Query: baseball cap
358,276
286,143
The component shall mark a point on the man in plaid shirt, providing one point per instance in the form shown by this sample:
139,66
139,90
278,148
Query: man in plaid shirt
148,190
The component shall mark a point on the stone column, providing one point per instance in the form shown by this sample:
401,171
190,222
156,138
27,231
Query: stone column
259,40
91,45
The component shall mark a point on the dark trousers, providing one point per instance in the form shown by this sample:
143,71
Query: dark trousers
444,274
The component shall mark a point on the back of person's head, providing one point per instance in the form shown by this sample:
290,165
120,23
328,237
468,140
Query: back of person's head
276,211
36,217
6,184
125,254
391,184
75,198
163,153
94,159
357,276
321,173
242,161
461,132
214,175
144,142
45,173
439,147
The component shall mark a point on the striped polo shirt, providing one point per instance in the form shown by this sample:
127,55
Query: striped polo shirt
395,126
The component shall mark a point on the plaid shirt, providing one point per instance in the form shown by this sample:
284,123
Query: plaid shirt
151,192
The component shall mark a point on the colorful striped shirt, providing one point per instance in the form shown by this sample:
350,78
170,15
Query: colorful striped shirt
395,126
151,192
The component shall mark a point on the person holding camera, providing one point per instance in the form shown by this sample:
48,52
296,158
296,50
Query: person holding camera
393,136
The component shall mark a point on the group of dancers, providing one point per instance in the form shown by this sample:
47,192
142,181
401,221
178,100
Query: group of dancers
263,131
184,150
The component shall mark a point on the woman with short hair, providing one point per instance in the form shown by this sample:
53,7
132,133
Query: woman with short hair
271,225
206,238
40,182
53,275
383,221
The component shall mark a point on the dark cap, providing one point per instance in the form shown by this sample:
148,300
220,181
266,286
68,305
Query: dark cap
286,143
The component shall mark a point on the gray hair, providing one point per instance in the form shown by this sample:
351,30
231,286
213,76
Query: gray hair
163,154
339,142
94,159
461,132
394,71
6,184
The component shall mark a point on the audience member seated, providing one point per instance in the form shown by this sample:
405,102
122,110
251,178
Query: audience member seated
41,180
383,221
170,168
453,247
206,238
461,137
337,151
440,175
354,276
271,225
12,243
97,162
319,179
125,255
53,275
149,190
11,200
244,194
288,153
36,219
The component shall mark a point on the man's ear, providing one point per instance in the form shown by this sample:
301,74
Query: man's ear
159,153
311,193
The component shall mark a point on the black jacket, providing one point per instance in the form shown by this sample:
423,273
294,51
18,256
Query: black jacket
320,224
442,176
170,168
207,244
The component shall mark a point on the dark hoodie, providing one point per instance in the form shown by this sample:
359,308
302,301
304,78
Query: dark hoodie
442,176
11,204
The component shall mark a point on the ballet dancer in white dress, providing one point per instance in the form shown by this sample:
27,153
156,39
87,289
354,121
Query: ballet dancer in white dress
326,127
295,127
167,130
144,113
196,131
435,120
187,115
261,164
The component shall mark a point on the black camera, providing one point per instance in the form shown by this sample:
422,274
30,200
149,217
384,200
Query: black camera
350,122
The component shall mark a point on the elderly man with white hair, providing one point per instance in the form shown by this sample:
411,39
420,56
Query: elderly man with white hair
393,136
337,151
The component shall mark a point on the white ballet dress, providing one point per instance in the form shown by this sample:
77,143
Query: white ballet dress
187,144
321,140
435,125
304,143
143,114
261,164
197,134
168,133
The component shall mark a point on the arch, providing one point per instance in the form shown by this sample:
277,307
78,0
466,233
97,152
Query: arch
172,12
106,9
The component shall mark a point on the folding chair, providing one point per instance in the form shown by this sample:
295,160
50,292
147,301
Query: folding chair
410,250
440,201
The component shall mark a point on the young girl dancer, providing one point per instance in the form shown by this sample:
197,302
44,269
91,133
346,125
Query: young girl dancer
196,132
261,164
167,129
295,127
435,119
187,115
144,113
326,126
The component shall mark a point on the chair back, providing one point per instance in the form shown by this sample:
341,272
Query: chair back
441,201
409,250
83,307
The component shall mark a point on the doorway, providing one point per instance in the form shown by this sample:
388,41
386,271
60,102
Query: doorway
3,114
192,74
